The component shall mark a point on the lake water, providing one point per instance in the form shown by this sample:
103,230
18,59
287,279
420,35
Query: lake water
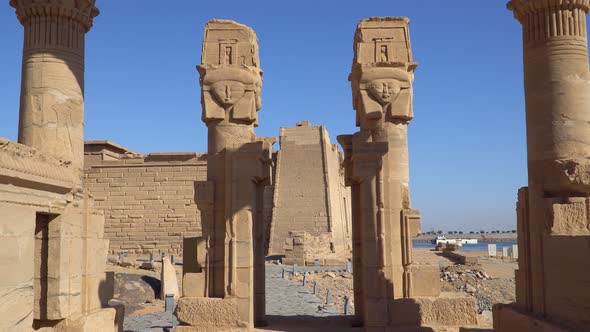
482,246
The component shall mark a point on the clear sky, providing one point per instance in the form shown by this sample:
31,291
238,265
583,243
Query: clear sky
467,140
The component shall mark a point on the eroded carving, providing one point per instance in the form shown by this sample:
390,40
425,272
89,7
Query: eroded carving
231,79
383,93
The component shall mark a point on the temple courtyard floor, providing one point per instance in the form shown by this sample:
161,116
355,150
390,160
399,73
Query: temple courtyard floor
293,306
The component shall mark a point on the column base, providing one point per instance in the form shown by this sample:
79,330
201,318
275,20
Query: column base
447,310
107,319
510,318
197,314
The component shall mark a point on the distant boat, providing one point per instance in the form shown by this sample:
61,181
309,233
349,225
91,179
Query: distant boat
443,239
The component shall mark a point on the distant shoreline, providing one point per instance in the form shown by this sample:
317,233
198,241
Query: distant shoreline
507,237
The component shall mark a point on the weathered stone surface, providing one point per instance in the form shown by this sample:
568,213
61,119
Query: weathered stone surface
209,329
377,169
552,212
211,312
136,289
510,318
238,169
53,247
95,321
425,280
447,310
168,279
150,201
52,97
309,191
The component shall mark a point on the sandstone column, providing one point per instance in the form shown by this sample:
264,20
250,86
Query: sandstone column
553,220
377,166
238,164
52,91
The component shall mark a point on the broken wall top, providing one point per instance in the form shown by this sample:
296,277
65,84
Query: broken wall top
27,165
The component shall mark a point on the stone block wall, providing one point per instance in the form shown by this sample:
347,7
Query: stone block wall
309,191
149,201
302,248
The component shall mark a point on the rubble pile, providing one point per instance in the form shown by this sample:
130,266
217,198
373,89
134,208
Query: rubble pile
477,283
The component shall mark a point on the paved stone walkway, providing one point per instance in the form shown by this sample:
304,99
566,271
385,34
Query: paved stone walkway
155,322
287,298
284,298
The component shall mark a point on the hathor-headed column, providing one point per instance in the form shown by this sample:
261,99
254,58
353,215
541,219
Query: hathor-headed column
377,168
553,217
238,166
52,89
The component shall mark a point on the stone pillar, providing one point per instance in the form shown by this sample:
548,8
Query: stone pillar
238,167
553,218
377,166
52,90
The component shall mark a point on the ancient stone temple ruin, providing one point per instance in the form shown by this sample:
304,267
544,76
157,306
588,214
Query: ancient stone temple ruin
53,253
225,210
388,289
553,222
310,199
152,201
223,282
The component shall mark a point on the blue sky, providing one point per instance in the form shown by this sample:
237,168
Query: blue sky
467,140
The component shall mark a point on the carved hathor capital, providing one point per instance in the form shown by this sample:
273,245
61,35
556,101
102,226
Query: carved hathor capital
231,79
382,93
82,11
382,72
232,93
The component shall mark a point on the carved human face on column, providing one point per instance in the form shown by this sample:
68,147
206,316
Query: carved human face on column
231,94
383,94
231,79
